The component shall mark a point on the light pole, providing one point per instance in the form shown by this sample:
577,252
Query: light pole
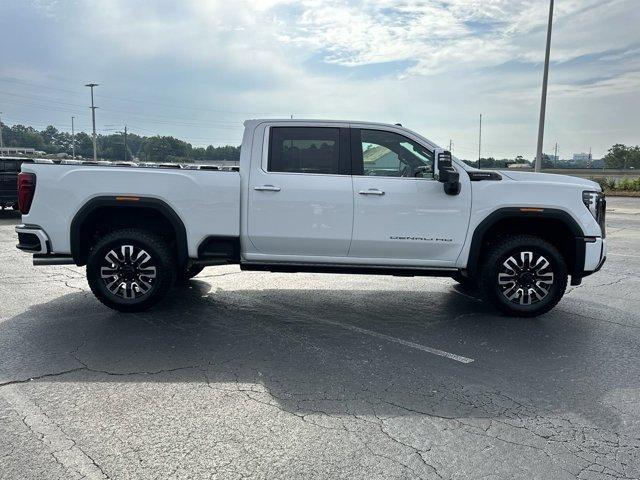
480,142
93,118
125,143
543,101
1,144
73,140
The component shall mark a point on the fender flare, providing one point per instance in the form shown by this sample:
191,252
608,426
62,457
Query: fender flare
129,202
496,216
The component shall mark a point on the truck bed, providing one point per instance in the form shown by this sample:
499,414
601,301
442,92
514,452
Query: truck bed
205,197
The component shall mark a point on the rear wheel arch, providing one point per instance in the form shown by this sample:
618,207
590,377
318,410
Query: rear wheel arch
553,225
111,213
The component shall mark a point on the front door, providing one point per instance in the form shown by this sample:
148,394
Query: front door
400,211
300,201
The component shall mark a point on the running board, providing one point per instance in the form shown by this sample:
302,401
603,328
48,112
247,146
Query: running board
350,269
39,260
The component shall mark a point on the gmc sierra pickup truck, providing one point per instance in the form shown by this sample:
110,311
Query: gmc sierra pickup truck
316,196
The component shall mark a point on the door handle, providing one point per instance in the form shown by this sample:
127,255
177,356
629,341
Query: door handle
371,191
267,188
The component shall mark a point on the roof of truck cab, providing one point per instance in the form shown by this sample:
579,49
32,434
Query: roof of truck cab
289,121
319,120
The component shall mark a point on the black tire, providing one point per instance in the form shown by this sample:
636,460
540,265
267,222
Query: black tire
185,275
524,268
121,276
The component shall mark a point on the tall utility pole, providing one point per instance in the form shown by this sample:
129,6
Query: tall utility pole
1,144
93,119
73,140
480,142
450,144
125,143
555,156
543,101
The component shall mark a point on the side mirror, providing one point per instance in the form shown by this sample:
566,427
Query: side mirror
446,174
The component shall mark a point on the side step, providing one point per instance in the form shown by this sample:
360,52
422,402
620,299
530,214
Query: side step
39,260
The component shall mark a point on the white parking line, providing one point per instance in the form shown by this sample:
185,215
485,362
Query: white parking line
406,343
371,333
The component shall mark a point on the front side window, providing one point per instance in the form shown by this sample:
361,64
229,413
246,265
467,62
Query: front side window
388,154
304,150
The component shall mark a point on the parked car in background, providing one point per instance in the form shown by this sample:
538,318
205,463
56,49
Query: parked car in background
9,169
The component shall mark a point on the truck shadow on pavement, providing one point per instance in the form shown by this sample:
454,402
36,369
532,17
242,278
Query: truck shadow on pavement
288,348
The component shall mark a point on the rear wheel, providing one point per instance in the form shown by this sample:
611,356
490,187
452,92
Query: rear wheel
524,276
130,270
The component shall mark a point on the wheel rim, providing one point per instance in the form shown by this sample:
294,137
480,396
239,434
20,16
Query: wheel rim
525,278
129,273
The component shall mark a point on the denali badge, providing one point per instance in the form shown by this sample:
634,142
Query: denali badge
422,239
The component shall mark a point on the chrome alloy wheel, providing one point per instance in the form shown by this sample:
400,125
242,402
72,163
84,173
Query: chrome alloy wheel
527,279
129,274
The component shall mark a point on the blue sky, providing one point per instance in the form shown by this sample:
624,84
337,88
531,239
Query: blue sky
196,69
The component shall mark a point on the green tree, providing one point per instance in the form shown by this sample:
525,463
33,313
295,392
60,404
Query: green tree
616,156
163,149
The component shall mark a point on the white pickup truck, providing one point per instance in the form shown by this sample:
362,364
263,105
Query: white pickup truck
316,196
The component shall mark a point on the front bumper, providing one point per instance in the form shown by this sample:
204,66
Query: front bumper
32,239
591,253
595,250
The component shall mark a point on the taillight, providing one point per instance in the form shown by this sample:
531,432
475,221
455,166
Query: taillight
26,190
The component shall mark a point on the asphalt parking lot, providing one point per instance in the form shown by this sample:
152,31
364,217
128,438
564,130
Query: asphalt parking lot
261,375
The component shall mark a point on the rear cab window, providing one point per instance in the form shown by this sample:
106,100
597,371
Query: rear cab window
308,150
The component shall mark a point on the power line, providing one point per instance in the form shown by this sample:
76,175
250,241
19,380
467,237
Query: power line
145,102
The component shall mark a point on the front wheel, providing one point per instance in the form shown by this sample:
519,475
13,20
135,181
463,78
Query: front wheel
524,276
130,270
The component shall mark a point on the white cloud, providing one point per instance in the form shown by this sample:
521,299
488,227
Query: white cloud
448,60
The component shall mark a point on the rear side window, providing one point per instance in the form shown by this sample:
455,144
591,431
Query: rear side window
11,167
304,150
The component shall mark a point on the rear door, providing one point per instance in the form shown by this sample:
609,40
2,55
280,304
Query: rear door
300,198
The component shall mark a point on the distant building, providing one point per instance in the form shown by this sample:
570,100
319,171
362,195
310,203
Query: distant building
17,151
581,157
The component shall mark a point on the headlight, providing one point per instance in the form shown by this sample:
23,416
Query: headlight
597,205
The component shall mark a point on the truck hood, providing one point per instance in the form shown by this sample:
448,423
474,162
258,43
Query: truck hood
551,178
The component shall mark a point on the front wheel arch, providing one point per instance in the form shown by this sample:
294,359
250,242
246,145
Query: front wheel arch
553,225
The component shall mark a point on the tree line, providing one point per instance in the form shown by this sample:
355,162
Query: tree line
622,156
111,147
170,149
619,156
